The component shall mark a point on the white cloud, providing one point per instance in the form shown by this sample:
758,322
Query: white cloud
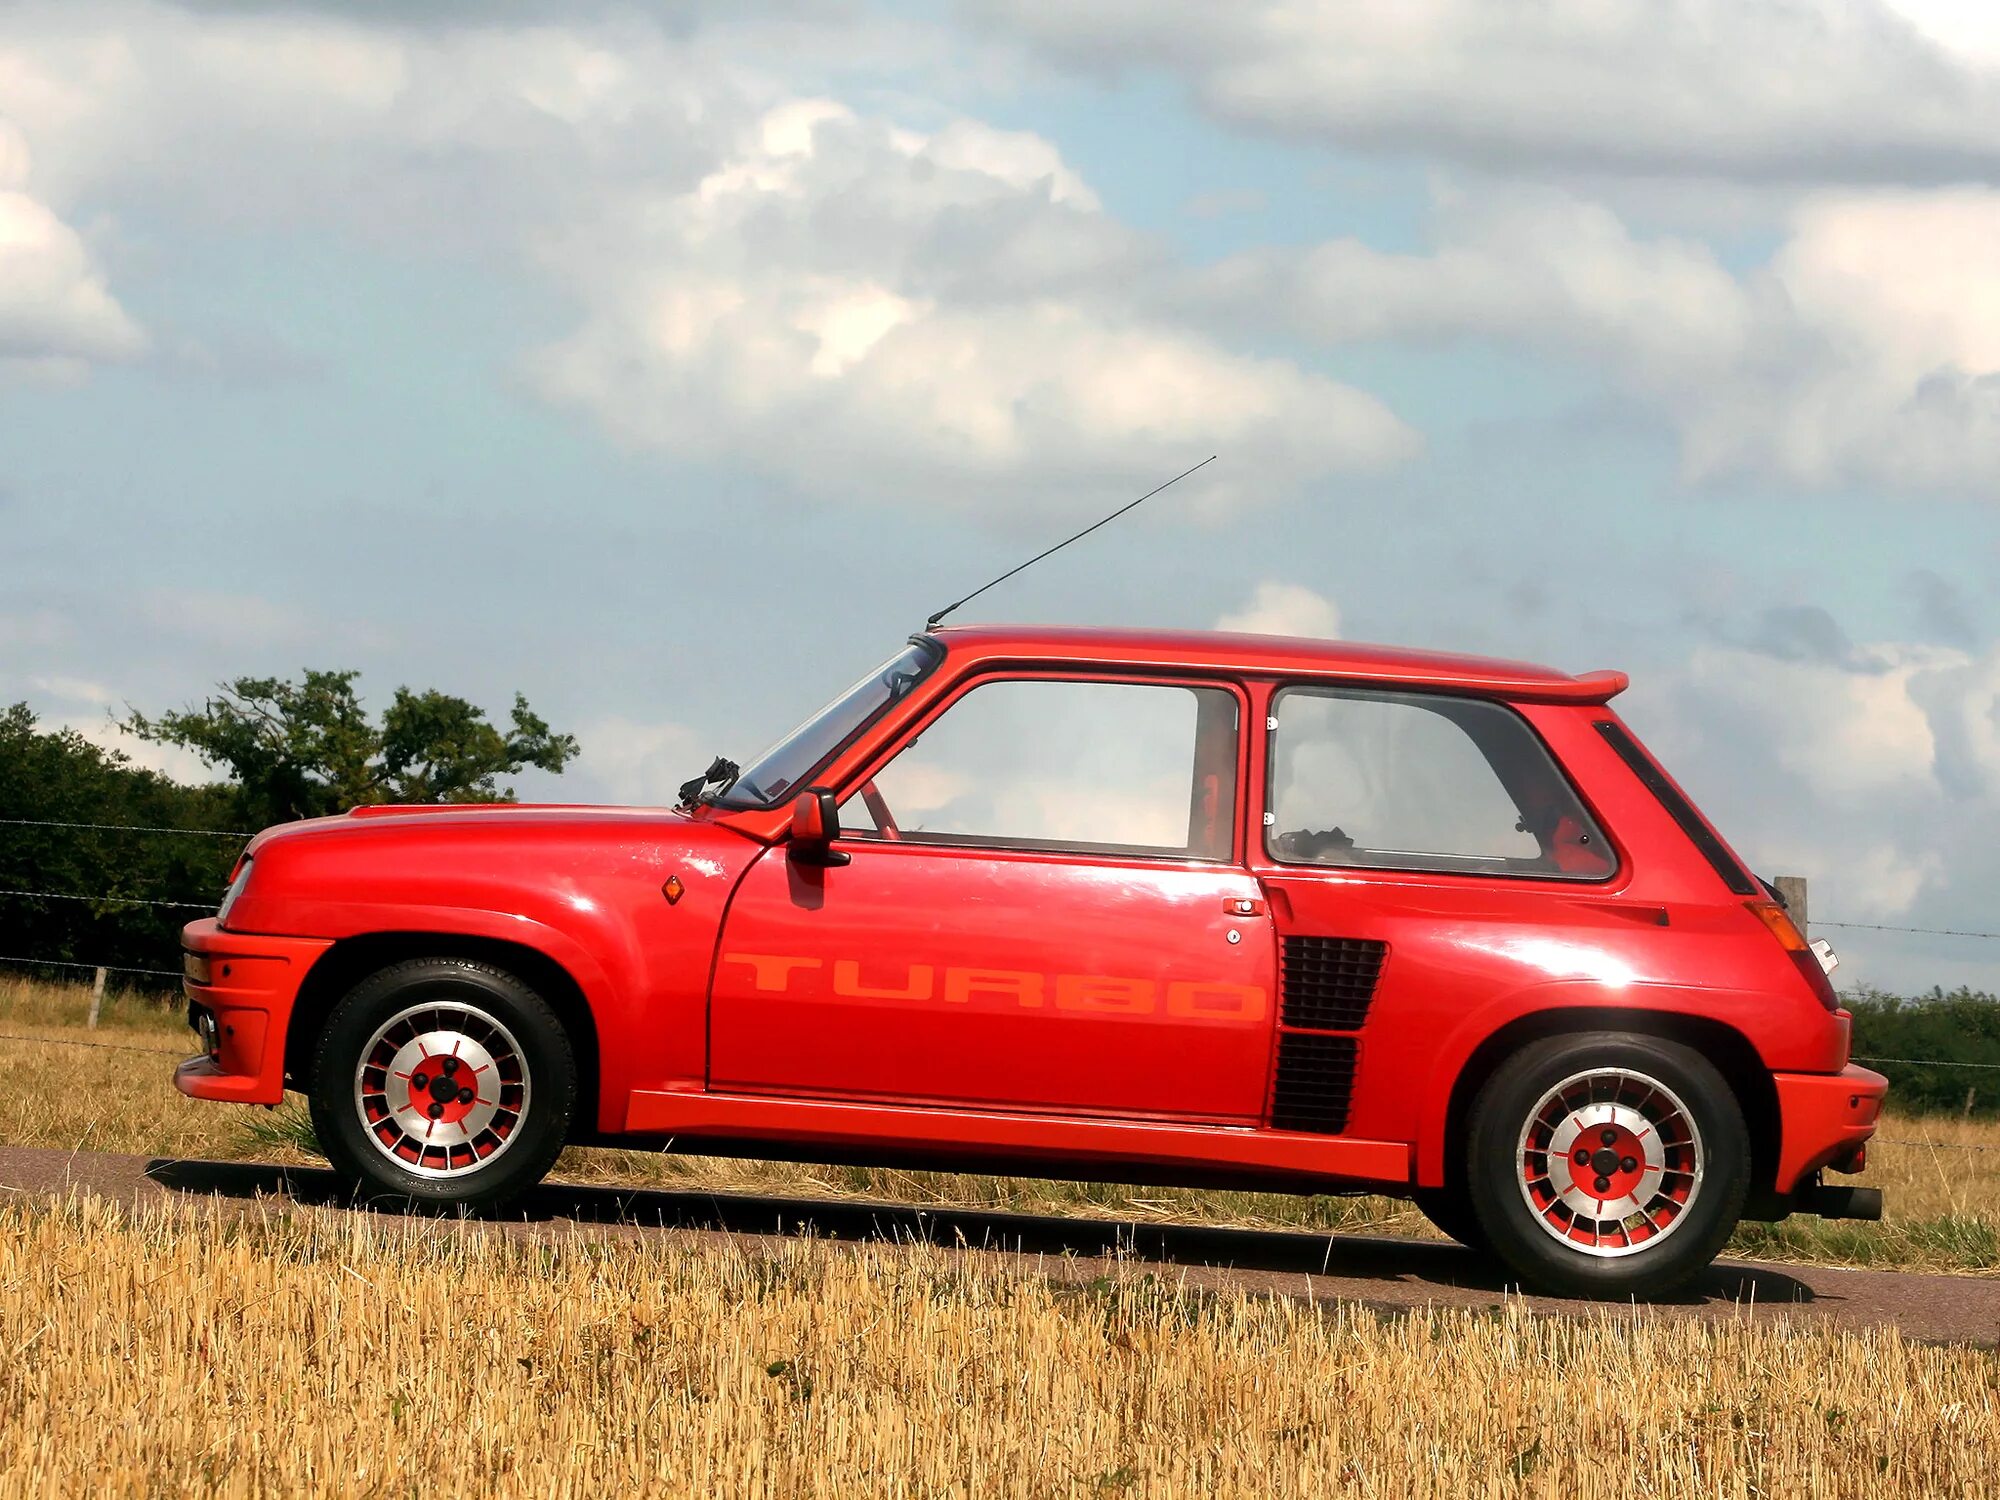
1276,608
14,157
860,309
817,304
1019,158
430,139
1866,349
640,764
171,761
1758,90
1970,29
1842,735
57,316
1877,777
75,690
1532,264
1898,293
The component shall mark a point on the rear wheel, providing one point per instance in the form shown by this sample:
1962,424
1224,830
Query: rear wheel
1607,1164
443,1081
1450,1210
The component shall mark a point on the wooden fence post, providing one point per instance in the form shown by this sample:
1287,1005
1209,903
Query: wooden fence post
96,998
1793,889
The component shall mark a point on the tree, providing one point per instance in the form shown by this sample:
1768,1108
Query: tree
306,749
80,821
1960,1029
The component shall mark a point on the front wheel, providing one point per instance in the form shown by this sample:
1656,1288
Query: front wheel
443,1082
1607,1164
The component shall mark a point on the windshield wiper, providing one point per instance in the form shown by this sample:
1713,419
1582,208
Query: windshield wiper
721,774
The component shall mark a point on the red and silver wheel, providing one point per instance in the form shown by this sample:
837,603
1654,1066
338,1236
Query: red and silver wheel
442,1088
1606,1164
1610,1161
442,1082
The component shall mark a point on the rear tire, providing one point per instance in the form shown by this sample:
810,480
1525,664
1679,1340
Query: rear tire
442,1082
1450,1211
1607,1164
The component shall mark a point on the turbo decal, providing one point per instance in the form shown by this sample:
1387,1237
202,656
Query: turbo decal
1095,994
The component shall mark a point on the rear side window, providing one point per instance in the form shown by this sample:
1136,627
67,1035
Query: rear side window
1679,809
1422,781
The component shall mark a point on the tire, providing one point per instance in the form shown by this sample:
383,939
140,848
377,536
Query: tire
377,1102
1450,1210
1669,1133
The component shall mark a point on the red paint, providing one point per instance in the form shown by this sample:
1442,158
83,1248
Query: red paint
1826,1117
996,978
1152,1148
1083,1011
254,982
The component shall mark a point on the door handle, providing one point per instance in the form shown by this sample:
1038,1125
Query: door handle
1242,906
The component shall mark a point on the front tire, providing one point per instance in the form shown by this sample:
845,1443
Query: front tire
443,1082
1607,1164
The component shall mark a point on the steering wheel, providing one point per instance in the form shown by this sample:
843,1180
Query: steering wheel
885,821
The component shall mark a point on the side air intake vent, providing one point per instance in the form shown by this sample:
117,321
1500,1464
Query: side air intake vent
1315,1079
1329,981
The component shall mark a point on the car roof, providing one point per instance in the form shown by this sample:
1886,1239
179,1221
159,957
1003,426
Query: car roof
1241,653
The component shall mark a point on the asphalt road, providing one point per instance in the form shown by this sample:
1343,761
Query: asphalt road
1390,1274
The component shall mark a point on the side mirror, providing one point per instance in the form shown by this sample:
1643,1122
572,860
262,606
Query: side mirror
815,825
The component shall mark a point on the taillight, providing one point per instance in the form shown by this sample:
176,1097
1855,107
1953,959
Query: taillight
1786,931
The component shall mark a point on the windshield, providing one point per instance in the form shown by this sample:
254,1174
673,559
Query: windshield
785,767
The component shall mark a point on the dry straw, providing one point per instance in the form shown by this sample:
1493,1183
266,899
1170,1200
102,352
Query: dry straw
308,1351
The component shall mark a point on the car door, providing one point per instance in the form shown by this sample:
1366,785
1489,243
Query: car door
1044,908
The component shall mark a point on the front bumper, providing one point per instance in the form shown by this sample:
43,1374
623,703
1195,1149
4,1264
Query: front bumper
253,981
1823,1120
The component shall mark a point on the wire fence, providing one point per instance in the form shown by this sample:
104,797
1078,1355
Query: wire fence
223,833
138,940
1929,1062
71,1041
1957,932
205,833
66,963
108,900
1890,1140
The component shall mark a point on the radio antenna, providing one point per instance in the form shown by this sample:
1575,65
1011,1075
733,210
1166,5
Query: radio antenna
931,623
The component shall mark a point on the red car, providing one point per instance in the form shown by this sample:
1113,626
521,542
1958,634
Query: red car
1118,905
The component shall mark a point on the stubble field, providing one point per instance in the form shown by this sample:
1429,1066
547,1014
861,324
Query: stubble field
302,1349
312,1352
106,1090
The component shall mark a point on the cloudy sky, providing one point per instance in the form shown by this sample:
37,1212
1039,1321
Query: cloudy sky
669,362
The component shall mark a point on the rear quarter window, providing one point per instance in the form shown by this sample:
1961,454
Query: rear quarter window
1422,781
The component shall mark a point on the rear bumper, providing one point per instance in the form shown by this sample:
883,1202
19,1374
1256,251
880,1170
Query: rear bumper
253,981
1823,1119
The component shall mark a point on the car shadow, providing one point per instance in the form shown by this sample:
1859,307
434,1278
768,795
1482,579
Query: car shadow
1413,1263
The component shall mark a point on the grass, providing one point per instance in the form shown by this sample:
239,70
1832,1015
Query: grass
1943,1199
336,1354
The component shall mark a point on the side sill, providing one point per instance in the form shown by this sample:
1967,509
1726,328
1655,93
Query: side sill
691,1117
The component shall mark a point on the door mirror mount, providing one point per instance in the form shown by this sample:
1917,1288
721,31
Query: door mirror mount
815,825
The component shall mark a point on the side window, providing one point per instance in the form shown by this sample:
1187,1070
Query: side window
1422,782
1051,763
